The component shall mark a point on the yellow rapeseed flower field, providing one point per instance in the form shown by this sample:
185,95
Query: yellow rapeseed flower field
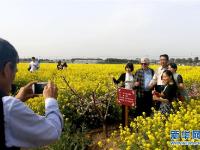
144,132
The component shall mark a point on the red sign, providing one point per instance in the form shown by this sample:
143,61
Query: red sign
126,97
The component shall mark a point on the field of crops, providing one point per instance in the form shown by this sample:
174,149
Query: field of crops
87,100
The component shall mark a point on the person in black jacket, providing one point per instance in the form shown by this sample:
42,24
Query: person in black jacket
64,65
127,80
59,65
168,94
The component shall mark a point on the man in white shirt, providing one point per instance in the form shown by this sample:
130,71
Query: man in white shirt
34,65
19,125
157,81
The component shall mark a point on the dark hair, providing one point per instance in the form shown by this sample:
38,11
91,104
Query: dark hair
33,58
165,55
173,65
129,65
7,54
64,64
170,74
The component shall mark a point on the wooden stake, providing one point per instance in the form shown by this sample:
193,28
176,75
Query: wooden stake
126,115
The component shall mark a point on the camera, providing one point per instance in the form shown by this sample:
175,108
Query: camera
39,87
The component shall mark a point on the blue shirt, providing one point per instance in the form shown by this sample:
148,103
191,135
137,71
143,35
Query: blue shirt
147,79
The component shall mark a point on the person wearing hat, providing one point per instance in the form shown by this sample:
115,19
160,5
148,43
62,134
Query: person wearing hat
19,125
143,76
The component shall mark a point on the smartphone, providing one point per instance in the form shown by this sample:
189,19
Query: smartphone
39,87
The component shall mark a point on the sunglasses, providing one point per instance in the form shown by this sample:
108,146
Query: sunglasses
144,64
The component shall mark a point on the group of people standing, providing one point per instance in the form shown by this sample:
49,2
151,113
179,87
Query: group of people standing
21,127
154,88
61,66
35,65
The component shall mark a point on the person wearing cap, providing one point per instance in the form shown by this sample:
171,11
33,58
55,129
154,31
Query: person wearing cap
156,82
127,80
20,127
182,94
143,76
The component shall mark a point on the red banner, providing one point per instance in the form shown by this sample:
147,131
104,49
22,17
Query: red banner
126,97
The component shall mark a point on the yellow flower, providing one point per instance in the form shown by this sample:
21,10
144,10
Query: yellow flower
128,142
88,77
108,140
128,148
100,144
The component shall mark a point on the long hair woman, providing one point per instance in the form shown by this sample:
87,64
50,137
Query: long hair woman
168,94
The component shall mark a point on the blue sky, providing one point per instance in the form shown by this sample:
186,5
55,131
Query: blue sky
101,28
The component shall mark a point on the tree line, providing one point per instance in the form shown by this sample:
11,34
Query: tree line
185,61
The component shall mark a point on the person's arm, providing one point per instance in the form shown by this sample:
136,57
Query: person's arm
180,82
30,66
120,79
153,82
166,95
159,97
136,81
169,92
28,129
156,98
